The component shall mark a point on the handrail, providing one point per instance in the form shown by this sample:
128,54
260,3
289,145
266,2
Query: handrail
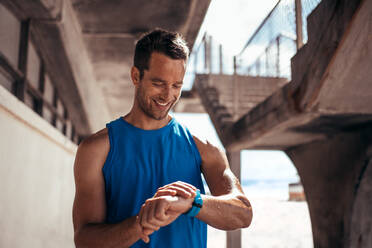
258,29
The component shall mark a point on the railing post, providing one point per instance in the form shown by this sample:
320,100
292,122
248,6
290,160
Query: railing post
221,58
278,56
20,86
267,61
235,66
196,61
298,11
206,53
210,54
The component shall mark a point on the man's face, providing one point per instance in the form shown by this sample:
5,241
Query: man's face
160,88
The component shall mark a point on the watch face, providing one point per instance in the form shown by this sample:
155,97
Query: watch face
198,205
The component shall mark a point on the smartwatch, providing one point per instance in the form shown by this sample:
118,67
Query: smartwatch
196,205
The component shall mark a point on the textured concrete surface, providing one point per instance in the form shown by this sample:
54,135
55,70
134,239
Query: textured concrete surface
361,219
333,173
37,186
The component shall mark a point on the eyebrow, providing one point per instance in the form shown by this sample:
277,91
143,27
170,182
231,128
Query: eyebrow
155,79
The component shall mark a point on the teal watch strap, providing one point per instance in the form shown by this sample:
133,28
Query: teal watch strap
196,205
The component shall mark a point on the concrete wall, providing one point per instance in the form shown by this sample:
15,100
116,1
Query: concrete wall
37,186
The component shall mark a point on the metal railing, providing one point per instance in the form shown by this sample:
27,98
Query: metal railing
277,39
267,53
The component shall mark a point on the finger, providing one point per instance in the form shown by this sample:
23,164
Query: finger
161,210
179,183
187,185
140,214
173,190
145,238
163,192
147,231
183,190
145,216
155,218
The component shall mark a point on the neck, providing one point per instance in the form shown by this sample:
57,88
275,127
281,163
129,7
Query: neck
137,118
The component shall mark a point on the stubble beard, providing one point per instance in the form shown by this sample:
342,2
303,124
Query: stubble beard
146,108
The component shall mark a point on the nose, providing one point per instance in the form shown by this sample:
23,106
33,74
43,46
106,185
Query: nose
166,94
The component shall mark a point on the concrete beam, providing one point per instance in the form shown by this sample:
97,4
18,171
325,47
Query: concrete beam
36,9
61,46
197,12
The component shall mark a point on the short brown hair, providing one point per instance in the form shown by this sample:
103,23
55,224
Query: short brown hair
168,43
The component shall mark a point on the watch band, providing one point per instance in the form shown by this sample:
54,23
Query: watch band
196,205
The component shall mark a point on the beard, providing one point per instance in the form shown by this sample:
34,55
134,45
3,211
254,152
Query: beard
147,107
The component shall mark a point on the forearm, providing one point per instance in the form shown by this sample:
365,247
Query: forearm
122,234
226,212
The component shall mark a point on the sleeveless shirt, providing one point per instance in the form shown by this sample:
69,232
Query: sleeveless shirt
138,163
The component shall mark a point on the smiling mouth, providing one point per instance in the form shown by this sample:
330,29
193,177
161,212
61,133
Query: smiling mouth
162,105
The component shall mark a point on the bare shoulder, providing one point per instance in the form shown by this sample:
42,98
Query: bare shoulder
209,153
93,150
96,141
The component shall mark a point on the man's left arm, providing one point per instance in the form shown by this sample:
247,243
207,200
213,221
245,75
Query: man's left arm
227,207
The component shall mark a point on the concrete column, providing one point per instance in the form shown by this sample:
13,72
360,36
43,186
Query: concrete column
336,175
360,234
234,238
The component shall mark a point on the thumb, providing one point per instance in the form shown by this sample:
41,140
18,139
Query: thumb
145,238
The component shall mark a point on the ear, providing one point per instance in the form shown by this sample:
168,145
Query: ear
135,75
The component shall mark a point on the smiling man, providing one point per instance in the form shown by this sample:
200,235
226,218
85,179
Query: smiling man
138,181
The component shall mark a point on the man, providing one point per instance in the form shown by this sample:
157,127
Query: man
139,180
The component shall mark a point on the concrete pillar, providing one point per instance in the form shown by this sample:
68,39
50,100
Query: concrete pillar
234,238
336,175
361,217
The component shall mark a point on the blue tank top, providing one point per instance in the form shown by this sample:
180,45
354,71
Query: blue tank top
138,163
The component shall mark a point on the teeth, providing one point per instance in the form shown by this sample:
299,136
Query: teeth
162,104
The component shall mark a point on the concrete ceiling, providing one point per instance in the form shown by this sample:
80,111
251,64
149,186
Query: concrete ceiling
111,28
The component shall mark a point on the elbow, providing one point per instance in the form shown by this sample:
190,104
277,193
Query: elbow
246,215
246,219
78,240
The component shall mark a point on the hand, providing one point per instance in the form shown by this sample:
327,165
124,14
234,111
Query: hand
144,232
178,188
161,211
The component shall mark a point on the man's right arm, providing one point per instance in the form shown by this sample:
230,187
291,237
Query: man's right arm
89,210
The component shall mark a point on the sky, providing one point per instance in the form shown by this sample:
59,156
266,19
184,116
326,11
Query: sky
232,23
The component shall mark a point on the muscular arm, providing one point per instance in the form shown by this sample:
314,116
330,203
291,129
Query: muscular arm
89,209
227,208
